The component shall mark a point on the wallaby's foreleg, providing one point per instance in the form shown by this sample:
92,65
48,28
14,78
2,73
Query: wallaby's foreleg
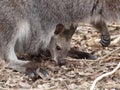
74,53
101,26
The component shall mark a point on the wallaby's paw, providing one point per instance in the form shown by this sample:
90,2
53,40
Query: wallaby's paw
81,55
105,40
43,73
92,57
32,74
85,55
38,73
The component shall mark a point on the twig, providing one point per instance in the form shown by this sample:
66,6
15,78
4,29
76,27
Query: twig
100,59
114,26
115,36
62,82
104,75
53,87
111,58
65,85
88,65
1,88
115,41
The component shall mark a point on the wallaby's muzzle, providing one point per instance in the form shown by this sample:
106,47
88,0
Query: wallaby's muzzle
59,61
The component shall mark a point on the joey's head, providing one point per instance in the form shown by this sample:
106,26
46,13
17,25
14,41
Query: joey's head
60,43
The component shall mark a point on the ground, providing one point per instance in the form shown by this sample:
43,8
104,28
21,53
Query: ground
77,74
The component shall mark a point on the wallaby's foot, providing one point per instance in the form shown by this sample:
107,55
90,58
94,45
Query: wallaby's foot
101,26
34,71
18,65
81,55
105,40
22,66
34,74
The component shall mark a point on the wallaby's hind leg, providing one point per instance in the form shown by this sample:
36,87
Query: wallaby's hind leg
9,35
100,25
14,63
11,57
10,38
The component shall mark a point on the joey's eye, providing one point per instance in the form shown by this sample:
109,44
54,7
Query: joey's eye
58,47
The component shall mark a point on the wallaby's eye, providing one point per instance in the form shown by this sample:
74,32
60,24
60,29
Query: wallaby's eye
58,48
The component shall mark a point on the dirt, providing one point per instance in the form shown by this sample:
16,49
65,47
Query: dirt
77,74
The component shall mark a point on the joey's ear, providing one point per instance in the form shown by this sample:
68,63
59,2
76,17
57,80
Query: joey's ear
59,29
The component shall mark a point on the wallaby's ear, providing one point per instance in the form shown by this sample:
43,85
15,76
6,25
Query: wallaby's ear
68,33
73,27
59,29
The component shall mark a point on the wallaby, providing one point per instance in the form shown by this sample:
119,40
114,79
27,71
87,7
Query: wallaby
30,25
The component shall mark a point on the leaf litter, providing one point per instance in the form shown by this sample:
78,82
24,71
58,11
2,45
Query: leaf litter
77,74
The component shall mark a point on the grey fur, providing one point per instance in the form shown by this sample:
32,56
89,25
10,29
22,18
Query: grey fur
29,24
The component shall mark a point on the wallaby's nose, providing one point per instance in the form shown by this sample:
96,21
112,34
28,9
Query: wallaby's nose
61,62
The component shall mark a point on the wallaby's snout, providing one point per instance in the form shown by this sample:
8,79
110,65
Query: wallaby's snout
60,43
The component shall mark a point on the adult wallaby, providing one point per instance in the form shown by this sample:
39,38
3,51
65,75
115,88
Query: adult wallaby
30,25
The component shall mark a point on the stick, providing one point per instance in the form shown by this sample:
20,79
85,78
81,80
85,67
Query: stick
62,82
109,54
115,41
66,85
104,75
